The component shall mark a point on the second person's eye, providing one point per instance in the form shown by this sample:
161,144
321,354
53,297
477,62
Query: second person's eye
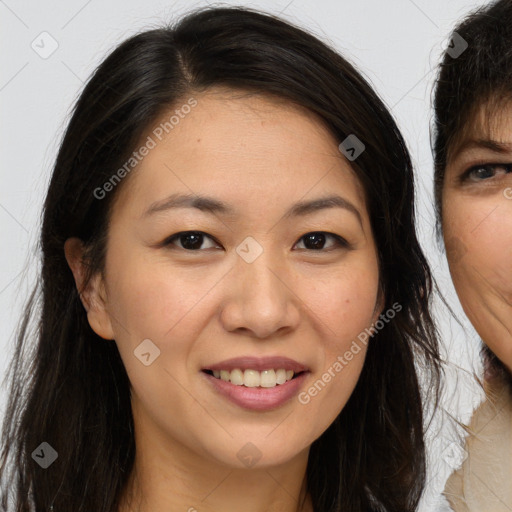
485,172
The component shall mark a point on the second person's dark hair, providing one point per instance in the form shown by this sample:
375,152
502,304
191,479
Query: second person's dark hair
480,76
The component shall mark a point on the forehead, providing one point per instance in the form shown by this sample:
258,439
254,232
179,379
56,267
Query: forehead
234,141
242,119
487,126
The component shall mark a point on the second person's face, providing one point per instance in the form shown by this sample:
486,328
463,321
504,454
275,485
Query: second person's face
477,226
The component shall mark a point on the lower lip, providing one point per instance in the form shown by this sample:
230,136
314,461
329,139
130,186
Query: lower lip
257,399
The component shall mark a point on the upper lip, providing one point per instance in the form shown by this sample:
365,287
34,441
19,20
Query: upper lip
258,363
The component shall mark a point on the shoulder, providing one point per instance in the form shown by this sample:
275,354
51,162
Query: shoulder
482,483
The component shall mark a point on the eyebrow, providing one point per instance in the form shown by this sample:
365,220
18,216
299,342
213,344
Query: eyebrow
214,206
493,145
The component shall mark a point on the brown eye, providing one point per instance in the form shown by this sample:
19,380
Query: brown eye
190,240
315,241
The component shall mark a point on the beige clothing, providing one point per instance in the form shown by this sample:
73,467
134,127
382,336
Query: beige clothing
484,481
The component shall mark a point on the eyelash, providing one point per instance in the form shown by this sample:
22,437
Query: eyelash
341,242
466,176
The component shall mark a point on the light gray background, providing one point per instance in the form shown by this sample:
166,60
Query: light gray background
395,43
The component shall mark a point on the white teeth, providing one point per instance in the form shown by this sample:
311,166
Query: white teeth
268,379
253,378
281,376
237,377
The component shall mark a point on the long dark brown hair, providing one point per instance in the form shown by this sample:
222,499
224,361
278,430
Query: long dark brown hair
72,390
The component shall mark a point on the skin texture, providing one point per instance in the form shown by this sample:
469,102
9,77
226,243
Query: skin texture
477,226
200,307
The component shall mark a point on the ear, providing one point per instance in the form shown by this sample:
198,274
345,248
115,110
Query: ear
92,294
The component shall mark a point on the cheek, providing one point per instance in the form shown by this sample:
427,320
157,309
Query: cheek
158,303
478,239
344,308
152,300
348,299
150,293
346,311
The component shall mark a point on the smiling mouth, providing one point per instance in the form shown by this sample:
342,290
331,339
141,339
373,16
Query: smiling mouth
253,378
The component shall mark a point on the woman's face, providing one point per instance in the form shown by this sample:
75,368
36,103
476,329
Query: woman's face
477,225
276,277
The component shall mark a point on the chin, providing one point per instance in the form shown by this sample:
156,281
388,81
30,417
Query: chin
258,452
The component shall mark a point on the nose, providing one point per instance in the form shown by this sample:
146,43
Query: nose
261,299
